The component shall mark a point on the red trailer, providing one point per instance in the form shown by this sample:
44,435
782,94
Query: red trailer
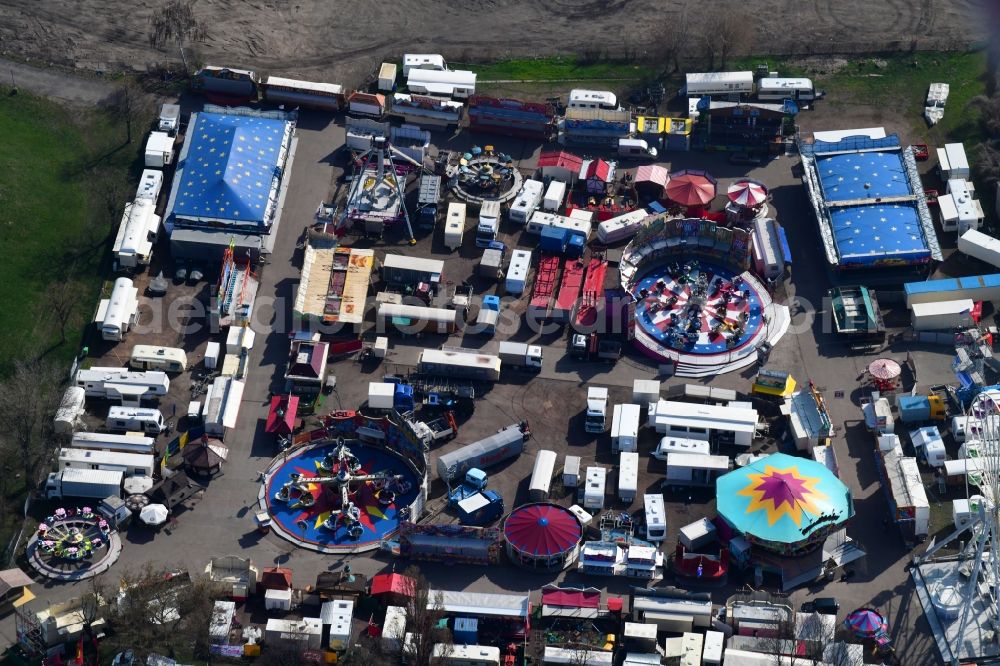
569,290
546,280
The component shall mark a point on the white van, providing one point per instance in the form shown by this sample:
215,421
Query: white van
165,359
133,419
637,148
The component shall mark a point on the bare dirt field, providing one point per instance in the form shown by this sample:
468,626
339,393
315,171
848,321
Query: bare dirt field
345,40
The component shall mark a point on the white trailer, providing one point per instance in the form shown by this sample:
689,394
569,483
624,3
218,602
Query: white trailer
540,220
623,226
137,233
719,84
527,201
645,391
464,364
693,469
135,419
593,491
71,408
465,655
958,209
150,183
118,313
159,150
714,643
628,476
387,77
517,271
117,383
127,443
394,629
942,315
982,246
222,405
423,61
457,83
555,195
489,223
953,162
166,359
625,428
381,395
668,445
656,517
454,226
777,89
571,472
697,534
130,464
592,99
541,475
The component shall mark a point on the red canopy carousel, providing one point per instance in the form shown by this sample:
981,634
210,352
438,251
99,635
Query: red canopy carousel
691,188
748,193
542,536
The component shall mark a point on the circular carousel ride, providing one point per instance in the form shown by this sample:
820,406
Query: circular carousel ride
73,544
330,498
698,308
484,174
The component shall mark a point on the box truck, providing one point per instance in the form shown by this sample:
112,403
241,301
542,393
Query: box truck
93,484
170,118
135,419
489,223
507,443
625,428
597,409
628,476
521,355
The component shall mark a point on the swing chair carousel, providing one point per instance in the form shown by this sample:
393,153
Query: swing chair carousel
483,174
330,497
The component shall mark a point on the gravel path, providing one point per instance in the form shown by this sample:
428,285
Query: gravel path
54,83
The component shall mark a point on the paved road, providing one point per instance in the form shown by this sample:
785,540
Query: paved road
55,83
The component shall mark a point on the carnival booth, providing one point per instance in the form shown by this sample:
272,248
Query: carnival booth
651,182
542,536
784,504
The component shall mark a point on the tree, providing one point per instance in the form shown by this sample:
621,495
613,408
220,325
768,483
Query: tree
61,302
726,30
673,38
423,614
128,103
29,396
176,22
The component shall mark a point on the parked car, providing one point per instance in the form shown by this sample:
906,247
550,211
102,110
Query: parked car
822,605
921,152
751,159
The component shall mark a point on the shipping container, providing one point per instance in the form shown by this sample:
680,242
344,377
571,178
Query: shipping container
942,315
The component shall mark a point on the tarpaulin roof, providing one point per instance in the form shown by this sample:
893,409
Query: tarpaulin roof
599,169
560,158
393,584
652,173
276,578
782,498
281,417
571,597
542,529
230,167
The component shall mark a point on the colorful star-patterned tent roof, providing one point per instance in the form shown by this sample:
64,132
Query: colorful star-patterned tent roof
783,499
869,175
878,232
230,168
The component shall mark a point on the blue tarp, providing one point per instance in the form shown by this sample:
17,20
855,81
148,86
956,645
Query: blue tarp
230,168
786,251
874,233
656,208
863,175
952,284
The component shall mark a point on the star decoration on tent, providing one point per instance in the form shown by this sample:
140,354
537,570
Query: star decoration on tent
782,492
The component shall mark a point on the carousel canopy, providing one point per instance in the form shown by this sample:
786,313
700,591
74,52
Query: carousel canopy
748,193
884,369
542,530
865,623
782,499
691,188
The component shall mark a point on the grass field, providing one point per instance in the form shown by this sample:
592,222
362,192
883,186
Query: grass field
53,227
559,69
